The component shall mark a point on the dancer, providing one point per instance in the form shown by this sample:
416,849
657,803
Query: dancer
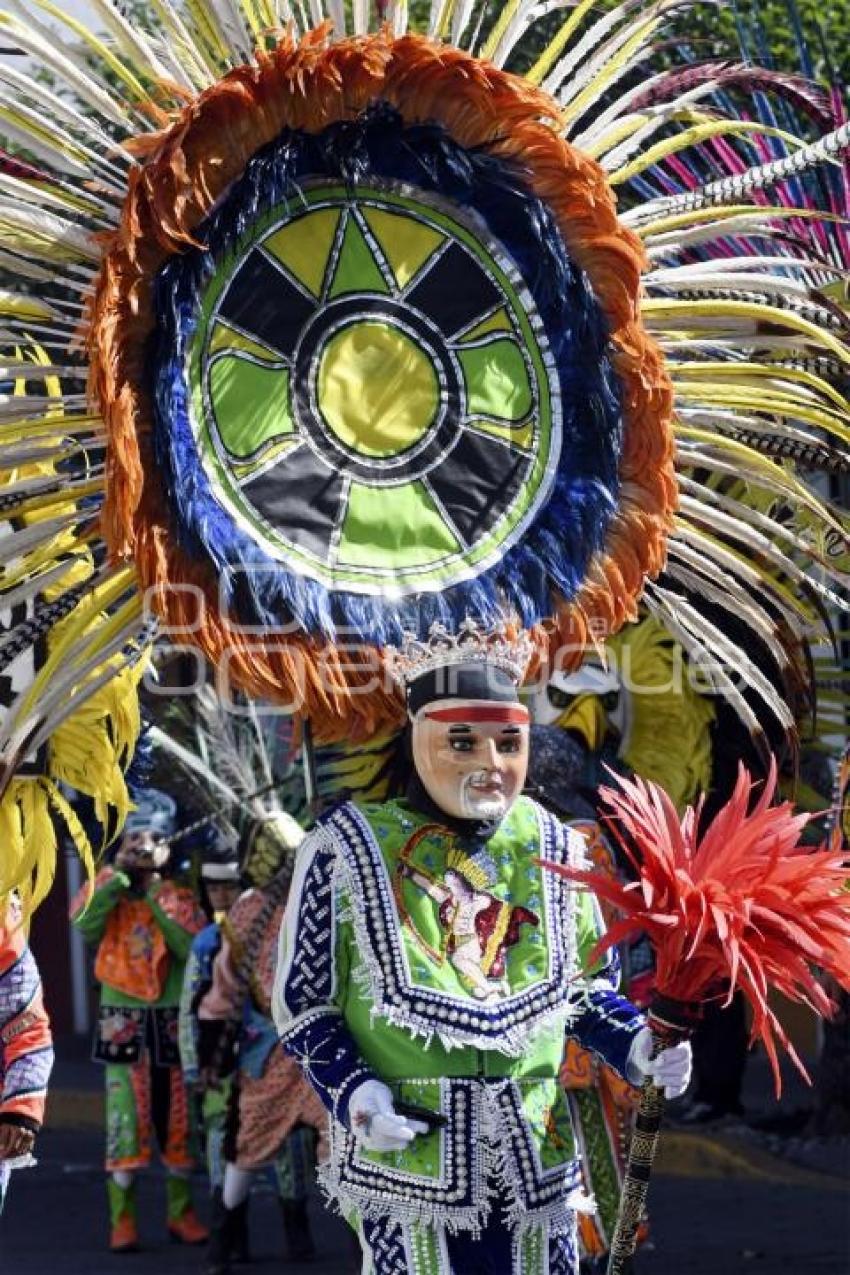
203,1057
275,1118
143,924
453,1066
26,1046
383,329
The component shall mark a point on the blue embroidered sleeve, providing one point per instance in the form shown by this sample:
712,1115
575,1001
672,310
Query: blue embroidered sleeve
311,1027
329,1058
606,1022
607,1025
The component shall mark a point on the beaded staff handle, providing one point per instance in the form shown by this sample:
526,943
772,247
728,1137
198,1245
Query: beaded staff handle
670,1021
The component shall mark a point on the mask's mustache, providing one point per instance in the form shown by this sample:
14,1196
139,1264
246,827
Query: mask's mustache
484,779
480,802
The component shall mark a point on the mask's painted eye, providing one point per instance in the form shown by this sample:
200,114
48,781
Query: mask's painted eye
557,697
465,745
508,745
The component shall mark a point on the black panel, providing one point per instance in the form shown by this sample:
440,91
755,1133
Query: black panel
301,495
455,292
476,483
262,302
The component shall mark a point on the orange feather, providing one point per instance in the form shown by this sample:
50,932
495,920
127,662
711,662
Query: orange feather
737,906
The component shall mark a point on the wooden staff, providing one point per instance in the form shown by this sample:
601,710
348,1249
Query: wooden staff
670,1022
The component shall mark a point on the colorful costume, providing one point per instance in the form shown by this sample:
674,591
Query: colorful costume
388,330
26,1046
362,992
601,1104
197,1049
257,1109
275,1117
143,941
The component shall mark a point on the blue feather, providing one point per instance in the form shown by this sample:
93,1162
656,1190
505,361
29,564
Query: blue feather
554,553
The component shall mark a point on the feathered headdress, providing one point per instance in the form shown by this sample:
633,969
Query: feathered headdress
360,332
238,762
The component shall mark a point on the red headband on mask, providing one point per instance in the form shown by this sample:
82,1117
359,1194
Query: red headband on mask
513,714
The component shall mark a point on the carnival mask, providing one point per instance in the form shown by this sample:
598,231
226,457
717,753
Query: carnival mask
142,850
471,755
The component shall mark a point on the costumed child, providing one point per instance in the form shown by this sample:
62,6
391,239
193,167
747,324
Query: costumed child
430,970
143,924
26,1046
275,1116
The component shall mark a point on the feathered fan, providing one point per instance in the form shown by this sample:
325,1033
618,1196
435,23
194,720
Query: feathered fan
739,905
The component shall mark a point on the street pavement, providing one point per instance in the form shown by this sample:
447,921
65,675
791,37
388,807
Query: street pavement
718,1207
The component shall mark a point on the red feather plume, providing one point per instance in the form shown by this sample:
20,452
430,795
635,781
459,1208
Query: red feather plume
738,906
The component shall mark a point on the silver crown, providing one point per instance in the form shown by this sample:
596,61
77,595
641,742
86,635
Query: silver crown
504,647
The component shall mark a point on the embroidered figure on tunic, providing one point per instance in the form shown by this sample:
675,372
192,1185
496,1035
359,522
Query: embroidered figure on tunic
480,928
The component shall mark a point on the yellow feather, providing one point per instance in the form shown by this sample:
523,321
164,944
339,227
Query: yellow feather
52,503
17,306
555,48
253,16
208,33
633,124
34,130
774,474
616,134
692,137
661,311
712,547
75,631
63,808
444,21
37,427
500,26
755,400
193,57
29,855
680,221
46,555
610,68
98,47
762,371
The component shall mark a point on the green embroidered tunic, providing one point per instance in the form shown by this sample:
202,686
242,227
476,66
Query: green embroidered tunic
452,972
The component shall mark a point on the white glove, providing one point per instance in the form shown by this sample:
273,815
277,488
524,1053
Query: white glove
670,1070
374,1121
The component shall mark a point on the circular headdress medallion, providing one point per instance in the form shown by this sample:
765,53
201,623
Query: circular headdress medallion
369,347
373,397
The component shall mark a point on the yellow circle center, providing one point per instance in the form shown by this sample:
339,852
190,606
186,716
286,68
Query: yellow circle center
377,390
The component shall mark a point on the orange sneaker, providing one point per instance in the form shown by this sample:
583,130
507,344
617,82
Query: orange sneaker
123,1236
187,1229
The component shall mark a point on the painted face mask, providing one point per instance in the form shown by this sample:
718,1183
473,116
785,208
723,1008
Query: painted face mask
471,755
144,849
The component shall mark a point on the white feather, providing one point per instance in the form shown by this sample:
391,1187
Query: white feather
16,544
192,762
67,65
55,108
129,40
360,16
47,229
